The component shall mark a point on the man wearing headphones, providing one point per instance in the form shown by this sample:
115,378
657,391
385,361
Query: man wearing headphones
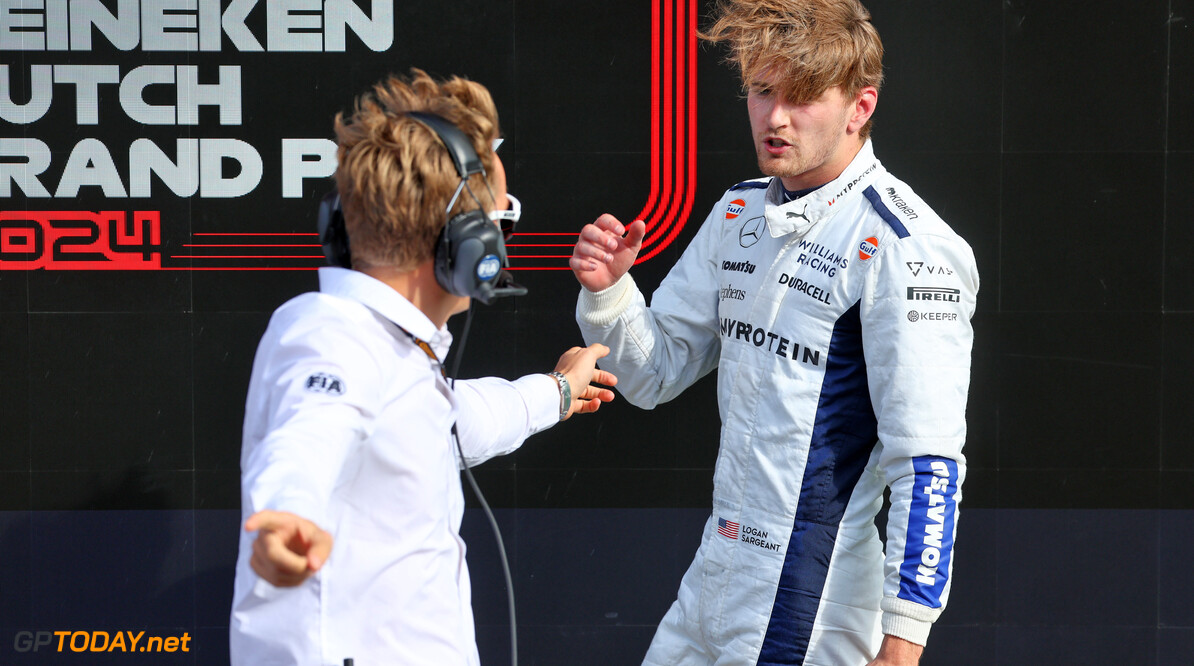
354,436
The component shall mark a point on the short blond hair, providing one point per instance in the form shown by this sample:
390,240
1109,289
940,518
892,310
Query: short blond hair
394,175
813,45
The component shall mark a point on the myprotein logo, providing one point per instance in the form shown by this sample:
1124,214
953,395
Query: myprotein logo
868,248
733,329
935,294
751,232
850,185
735,208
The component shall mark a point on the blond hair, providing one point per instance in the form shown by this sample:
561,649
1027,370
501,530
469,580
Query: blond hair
812,45
394,175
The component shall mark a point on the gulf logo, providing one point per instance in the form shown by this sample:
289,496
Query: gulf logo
735,208
868,248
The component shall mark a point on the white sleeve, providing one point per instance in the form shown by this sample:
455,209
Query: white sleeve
495,416
659,351
917,304
319,392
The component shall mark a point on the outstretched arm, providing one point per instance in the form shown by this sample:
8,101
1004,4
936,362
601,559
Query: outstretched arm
288,549
495,415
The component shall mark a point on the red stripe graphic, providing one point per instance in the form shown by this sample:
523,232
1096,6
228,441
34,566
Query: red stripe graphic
673,128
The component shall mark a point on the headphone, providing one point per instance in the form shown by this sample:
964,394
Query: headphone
470,254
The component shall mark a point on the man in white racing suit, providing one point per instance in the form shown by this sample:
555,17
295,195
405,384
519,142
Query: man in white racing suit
836,306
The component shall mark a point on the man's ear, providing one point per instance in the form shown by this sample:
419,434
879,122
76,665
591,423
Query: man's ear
864,107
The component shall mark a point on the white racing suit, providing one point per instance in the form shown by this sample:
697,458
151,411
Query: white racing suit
840,326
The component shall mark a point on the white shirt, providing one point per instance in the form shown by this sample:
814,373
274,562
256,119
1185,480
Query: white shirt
348,424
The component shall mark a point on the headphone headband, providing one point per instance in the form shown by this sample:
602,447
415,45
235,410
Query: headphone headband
459,148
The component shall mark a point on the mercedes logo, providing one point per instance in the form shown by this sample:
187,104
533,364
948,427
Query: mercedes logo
752,230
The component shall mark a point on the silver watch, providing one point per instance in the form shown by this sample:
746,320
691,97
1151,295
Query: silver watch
565,392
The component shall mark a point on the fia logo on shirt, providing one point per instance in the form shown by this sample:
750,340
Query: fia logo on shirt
322,382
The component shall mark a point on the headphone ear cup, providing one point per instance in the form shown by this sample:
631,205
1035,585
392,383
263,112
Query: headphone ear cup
469,256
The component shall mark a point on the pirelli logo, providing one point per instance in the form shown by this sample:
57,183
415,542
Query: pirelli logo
935,294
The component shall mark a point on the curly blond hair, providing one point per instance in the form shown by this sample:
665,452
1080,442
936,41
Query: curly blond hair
394,175
813,45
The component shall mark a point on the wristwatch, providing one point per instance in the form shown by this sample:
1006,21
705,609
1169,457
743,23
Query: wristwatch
565,392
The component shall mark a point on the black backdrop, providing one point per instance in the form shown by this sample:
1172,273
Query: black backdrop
1057,140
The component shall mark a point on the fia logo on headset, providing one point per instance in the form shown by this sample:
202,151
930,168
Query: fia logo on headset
488,267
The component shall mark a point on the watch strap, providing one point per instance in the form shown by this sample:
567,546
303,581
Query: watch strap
565,392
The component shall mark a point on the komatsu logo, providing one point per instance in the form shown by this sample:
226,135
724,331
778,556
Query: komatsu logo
738,266
934,530
930,532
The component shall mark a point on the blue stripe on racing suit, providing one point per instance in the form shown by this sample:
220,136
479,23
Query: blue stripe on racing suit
888,217
844,433
930,531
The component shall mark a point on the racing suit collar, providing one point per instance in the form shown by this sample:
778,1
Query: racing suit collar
800,215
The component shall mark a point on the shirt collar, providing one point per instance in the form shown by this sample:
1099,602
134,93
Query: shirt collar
382,299
800,215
